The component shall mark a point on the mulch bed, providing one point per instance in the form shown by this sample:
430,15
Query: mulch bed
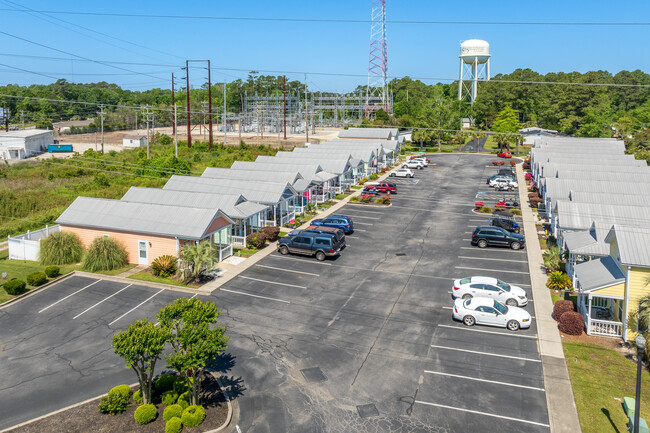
87,418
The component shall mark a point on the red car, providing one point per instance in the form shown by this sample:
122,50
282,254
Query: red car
504,154
384,187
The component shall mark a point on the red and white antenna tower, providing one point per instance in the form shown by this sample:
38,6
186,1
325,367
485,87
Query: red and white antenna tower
377,90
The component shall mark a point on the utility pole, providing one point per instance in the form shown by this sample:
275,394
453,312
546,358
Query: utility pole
239,128
209,108
306,113
225,120
22,118
187,90
284,110
101,113
175,135
174,104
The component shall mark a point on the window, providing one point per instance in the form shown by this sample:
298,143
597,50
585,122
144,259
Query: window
504,286
491,288
303,240
465,280
477,286
322,241
105,235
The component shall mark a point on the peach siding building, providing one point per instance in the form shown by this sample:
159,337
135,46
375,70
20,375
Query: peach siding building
146,231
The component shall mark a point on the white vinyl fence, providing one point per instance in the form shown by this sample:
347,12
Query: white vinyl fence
27,246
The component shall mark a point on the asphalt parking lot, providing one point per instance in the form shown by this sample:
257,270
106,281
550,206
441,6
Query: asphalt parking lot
55,346
362,342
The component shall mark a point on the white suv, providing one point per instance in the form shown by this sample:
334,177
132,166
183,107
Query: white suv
401,172
413,164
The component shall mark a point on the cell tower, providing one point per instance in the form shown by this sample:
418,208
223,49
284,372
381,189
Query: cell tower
377,90
474,66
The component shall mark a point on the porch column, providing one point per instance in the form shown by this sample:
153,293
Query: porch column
275,216
589,316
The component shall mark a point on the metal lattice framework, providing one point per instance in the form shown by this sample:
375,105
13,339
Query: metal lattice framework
378,61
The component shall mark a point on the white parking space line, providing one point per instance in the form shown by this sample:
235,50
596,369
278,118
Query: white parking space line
478,221
359,230
356,223
466,240
254,296
361,206
102,301
501,250
273,282
365,217
446,308
71,294
467,233
534,388
299,260
482,413
496,260
492,270
487,332
139,305
288,270
498,355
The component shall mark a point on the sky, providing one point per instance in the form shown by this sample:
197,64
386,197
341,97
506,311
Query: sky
334,55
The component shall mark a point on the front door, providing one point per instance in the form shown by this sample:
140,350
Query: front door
143,253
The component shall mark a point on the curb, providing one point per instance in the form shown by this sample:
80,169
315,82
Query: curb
37,289
139,282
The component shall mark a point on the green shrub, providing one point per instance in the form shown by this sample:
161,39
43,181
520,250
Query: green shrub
552,256
255,240
366,198
172,411
113,403
362,181
60,248
446,150
137,397
180,386
174,425
36,279
104,254
165,383
193,416
515,211
184,400
485,209
52,271
14,287
355,198
122,390
164,266
559,281
145,414
378,200
271,233
374,176
169,397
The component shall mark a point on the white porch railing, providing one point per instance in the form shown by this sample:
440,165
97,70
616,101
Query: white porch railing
267,223
288,217
320,198
239,241
607,328
225,252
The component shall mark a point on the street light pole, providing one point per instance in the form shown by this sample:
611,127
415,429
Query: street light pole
640,347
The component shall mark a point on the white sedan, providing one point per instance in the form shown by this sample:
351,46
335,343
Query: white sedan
501,180
413,164
487,311
401,172
489,287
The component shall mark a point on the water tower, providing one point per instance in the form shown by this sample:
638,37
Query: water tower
474,65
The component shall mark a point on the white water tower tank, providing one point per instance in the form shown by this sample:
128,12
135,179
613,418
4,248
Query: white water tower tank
474,51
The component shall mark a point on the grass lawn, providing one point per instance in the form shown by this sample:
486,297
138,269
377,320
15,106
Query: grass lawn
21,268
117,271
600,376
147,276
246,252
356,187
282,234
563,296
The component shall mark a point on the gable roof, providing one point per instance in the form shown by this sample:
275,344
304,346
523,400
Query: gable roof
376,133
572,215
233,205
633,244
257,191
308,170
253,173
154,219
598,274
588,243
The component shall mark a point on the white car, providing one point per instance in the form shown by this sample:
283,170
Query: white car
487,311
422,160
488,287
506,180
413,164
401,172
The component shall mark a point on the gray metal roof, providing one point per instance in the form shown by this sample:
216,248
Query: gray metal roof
590,242
263,175
307,171
380,133
555,169
623,174
233,205
598,274
373,144
337,164
579,216
559,189
363,153
633,244
155,219
606,198
253,190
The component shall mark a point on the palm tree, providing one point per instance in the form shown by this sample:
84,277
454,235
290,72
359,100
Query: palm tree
197,257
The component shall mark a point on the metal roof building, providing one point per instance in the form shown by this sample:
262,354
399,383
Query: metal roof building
307,170
560,189
598,273
606,198
370,133
262,175
579,216
633,244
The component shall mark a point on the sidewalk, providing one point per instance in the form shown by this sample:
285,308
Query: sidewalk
562,412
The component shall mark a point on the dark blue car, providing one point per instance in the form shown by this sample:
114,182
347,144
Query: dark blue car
338,221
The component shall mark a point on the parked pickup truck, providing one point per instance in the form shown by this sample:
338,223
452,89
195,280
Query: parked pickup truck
321,245
384,187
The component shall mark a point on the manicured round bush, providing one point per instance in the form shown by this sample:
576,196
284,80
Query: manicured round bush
60,248
104,254
271,233
165,383
14,287
485,209
123,390
193,416
169,398
572,323
164,266
137,397
174,425
562,307
145,414
180,386
173,411
52,271
113,403
36,279
255,240
184,400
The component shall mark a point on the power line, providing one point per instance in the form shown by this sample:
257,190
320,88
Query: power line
335,20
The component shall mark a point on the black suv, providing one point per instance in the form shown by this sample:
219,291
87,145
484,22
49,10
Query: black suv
507,223
496,236
310,243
